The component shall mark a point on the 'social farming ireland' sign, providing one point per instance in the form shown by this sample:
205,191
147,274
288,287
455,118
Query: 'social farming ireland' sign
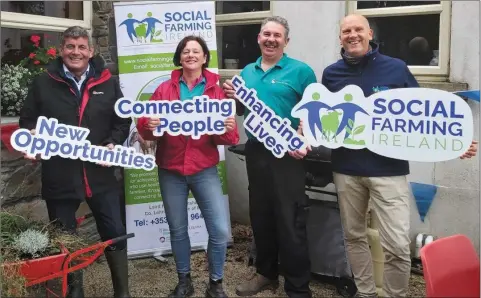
196,117
52,138
274,132
416,124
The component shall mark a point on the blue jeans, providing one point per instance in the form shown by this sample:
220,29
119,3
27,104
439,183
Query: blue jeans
207,190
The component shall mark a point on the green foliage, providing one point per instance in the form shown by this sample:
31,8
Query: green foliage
31,242
359,130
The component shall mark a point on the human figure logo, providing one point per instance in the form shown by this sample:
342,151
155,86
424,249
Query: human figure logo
143,31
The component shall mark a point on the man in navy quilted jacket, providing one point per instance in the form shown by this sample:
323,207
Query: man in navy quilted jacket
361,175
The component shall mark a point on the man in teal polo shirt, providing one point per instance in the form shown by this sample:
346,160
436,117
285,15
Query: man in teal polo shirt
279,87
277,202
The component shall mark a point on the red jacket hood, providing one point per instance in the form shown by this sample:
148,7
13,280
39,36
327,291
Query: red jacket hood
210,77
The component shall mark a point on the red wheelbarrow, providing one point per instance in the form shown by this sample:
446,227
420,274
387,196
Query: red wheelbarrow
41,270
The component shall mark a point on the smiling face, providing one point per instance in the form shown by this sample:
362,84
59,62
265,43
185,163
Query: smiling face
76,53
272,40
355,35
192,56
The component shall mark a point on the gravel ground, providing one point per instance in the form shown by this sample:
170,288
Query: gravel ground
151,278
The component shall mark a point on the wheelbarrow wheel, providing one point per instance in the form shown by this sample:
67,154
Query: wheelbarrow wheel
75,285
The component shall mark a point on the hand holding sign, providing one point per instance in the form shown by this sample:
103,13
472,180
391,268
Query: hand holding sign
471,151
300,127
300,153
229,123
103,164
153,123
28,156
228,88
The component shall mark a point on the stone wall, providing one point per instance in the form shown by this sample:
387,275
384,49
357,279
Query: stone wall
20,181
103,33
21,185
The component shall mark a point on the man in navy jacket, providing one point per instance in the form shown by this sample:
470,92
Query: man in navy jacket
361,174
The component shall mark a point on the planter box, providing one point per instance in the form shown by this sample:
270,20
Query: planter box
7,129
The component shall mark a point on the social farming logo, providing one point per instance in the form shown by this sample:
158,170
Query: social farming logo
167,27
142,31
416,124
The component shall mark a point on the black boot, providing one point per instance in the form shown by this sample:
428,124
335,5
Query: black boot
118,264
75,285
184,288
215,289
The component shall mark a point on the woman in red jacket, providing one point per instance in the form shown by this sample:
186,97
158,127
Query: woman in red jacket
187,164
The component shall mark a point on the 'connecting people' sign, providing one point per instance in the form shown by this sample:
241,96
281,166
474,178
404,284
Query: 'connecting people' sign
196,117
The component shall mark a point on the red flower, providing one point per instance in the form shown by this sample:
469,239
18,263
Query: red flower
35,38
36,62
31,56
52,52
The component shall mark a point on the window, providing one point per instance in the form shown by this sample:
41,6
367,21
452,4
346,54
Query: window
46,15
414,31
22,19
60,9
238,23
17,45
24,24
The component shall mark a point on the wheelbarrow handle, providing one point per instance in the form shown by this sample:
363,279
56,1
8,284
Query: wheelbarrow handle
121,238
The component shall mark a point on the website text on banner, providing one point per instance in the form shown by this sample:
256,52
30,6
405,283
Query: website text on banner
147,36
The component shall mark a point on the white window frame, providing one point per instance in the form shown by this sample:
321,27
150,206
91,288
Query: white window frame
440,72
244,18
35,22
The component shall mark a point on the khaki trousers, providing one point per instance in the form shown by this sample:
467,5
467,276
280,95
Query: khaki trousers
390,201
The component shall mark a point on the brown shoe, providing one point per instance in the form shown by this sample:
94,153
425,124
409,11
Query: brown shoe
255,285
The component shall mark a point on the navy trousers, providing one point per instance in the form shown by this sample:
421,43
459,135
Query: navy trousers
105,209
279,208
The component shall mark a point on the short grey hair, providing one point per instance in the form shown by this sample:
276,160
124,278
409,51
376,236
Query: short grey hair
279,20
76,32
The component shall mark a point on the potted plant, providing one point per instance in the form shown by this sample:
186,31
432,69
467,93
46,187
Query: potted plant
16,78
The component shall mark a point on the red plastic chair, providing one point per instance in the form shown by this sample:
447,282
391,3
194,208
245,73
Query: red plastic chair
451,267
